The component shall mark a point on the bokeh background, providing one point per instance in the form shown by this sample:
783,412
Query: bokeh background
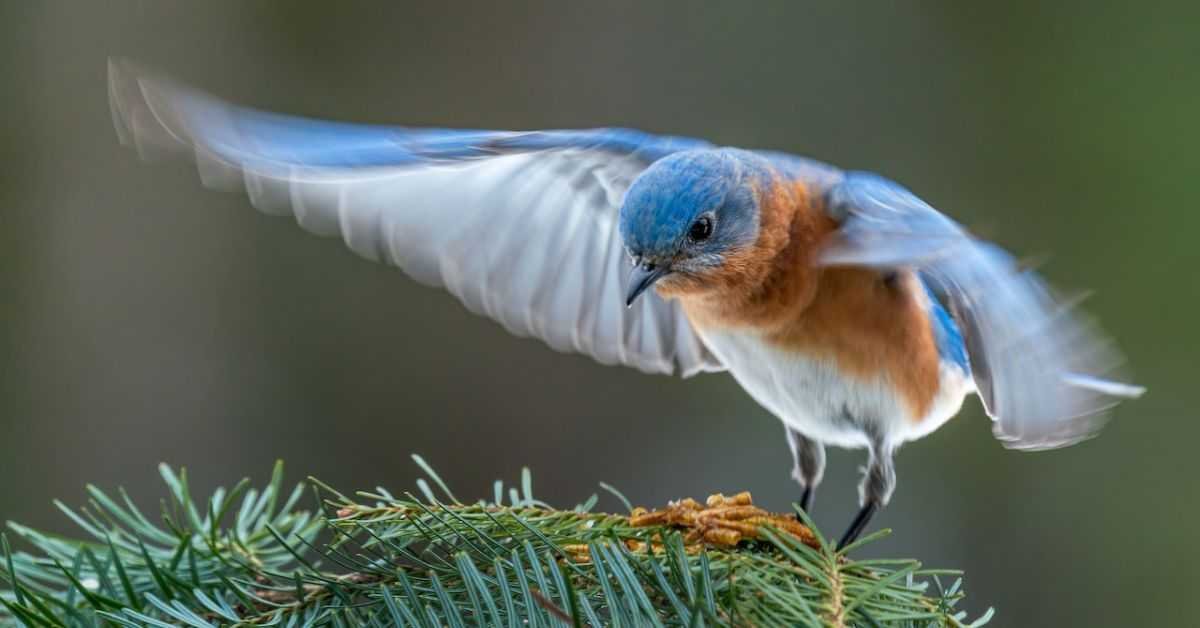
143,319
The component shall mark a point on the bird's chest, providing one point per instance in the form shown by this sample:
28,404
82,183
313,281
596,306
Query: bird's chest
856,362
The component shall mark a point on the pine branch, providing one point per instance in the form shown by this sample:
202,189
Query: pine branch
251,557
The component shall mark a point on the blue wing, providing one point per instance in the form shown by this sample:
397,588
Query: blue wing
155,113
520,226
1039,365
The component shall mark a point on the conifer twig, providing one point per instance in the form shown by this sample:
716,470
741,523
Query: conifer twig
248,556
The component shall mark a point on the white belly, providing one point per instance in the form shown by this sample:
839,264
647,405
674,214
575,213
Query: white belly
811,396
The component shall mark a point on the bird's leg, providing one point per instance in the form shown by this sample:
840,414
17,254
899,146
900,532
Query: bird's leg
808,464
858,525
879,480
806,499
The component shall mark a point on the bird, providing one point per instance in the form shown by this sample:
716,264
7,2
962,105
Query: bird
850,309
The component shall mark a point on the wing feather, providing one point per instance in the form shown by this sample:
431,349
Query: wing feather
521,227
1040,366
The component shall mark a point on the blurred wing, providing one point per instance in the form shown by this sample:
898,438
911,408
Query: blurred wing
1038,365
521,227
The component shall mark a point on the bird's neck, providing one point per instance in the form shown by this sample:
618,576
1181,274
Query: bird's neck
770,284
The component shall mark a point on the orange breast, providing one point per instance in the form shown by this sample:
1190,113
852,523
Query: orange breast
870,325
872,328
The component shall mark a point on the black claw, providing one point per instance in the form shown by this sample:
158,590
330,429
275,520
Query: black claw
858,525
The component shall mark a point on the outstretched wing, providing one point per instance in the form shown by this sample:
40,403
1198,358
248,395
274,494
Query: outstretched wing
521,227
1039,366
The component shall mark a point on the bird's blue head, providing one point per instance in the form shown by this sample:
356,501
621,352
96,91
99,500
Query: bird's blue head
687,213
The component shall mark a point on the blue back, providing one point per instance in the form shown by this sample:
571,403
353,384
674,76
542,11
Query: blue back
949,339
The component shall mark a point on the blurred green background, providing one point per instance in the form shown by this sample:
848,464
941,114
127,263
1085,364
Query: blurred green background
145,319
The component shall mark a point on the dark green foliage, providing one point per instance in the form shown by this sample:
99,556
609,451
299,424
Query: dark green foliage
250,557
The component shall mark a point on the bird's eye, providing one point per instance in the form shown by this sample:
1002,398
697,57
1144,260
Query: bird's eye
701,229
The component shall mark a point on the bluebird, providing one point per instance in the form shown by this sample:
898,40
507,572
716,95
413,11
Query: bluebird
846,306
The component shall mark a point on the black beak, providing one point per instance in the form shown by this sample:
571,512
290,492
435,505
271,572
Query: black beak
642,277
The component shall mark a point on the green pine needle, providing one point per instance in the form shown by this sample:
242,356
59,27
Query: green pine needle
249,557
